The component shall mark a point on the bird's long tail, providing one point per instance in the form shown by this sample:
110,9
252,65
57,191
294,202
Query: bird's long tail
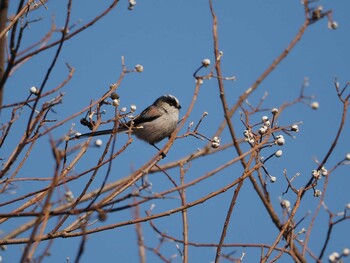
92,134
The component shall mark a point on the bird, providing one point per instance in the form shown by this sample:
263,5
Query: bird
155,123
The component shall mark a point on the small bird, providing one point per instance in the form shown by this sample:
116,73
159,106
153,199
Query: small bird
152,125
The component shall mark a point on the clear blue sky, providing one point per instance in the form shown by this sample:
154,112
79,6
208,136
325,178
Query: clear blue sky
170,39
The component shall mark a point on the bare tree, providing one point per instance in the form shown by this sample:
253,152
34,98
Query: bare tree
49,209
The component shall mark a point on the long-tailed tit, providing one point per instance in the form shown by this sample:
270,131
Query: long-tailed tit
154,124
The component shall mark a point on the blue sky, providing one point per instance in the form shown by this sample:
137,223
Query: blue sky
170,39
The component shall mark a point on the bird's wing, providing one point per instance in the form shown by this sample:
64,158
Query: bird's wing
149,114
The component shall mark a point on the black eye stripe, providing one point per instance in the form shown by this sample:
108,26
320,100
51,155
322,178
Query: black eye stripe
171,100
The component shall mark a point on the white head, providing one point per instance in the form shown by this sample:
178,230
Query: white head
169,99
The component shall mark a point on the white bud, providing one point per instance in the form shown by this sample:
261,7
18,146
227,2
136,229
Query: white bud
263,130
221,53
347,156
274,111
199,81
139,68
133,107
285,204
280,140
251,141
98,142
246,134
264,118
77,134
123,109
332,25
112,86
315,105
216,139
69,196
337,84
278,153
317,193
302,231
316,174
115,102
206,62
346,252
332,258
132,2
347,206
273,179
215,143
205,113
34,90
324,171
294,128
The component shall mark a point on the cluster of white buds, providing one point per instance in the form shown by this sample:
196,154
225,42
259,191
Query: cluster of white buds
206,62
139,68
249,137
317,174
215,142
324,171
266,121
334,257
280,140
265,125
263,129
115,99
